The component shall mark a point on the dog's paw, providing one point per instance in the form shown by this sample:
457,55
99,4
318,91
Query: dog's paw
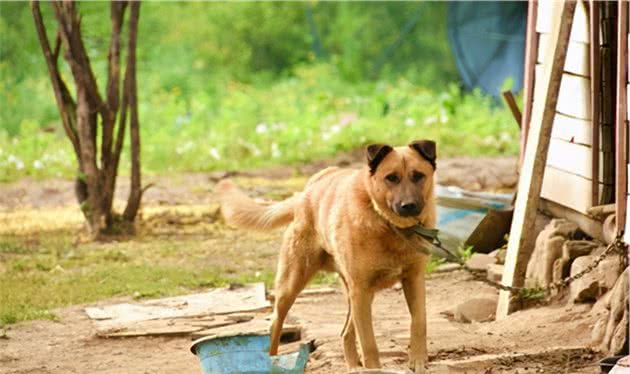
418,366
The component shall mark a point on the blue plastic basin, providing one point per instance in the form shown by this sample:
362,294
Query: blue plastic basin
246,354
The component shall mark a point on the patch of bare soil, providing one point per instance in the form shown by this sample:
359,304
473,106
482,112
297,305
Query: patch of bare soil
474,174
550,339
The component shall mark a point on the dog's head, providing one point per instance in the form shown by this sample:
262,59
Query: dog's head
401,178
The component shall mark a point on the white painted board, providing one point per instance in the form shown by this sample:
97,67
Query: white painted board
578,56
573,130
567,189
573,158
574,97
580,28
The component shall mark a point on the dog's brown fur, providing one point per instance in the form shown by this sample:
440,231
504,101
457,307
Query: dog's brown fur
350,222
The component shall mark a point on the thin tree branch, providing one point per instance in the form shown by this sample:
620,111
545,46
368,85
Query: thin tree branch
65,103
135,193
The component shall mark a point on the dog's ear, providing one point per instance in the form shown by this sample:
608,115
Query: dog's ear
375,154
426,148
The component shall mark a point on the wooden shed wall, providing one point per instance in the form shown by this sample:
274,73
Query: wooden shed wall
568,173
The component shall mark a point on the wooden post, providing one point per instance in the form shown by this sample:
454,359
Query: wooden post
511,103
532,170
531,52
621,165
595,97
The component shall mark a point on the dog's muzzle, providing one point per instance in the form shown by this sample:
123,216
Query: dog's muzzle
409,209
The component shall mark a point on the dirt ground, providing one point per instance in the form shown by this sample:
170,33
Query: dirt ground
554,337
546,339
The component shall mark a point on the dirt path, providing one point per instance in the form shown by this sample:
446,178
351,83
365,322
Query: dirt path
69,345
497,174
557,335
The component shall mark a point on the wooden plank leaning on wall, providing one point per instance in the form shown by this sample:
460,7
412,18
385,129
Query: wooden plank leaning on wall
621,169
531,52
595,97
534,161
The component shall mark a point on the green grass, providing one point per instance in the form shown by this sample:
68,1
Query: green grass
310,115
47,271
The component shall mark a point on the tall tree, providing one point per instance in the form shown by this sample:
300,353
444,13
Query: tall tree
84,114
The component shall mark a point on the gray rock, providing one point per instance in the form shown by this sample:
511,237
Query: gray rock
495,272
499,255
612,310
480,309
480,261
444,268
593,285
587,287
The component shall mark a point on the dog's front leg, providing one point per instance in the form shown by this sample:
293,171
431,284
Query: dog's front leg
414,289
361,306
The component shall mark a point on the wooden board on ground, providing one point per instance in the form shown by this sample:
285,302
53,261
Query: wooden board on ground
127,318
533,167
257,325
171,326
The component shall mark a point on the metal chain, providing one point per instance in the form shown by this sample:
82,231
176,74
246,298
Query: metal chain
616,246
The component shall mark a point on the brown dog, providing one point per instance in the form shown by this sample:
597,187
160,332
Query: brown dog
353,222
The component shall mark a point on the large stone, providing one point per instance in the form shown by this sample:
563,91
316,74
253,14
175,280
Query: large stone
499,255
479,309
587,287
548,248
480,261
612,313
495,272
593,285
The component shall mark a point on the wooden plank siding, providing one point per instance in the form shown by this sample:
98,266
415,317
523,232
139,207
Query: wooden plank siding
568,176
567,189
572,130
580,29
572,158
578,56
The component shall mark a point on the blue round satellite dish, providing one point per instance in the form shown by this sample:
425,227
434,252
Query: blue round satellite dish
488,41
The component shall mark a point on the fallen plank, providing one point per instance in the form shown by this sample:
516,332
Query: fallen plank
156,316
255,326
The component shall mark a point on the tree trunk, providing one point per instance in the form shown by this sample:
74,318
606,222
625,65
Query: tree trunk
81,117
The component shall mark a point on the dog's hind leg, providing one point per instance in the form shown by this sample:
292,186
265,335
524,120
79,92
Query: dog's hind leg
297,263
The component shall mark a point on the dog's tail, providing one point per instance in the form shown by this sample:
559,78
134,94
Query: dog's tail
240,210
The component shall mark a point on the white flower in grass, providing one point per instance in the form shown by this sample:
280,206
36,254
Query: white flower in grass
262,128
214,153
431,120
275,150
505,137
183,148
37,164
409,122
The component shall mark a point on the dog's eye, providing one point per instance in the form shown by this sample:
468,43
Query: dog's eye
392,178
417,176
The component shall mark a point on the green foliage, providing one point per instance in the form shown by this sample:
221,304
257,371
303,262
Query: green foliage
43,272
312,114
465,252
234,85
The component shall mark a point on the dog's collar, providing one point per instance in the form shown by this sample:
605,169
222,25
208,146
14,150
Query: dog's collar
425,232
428,234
